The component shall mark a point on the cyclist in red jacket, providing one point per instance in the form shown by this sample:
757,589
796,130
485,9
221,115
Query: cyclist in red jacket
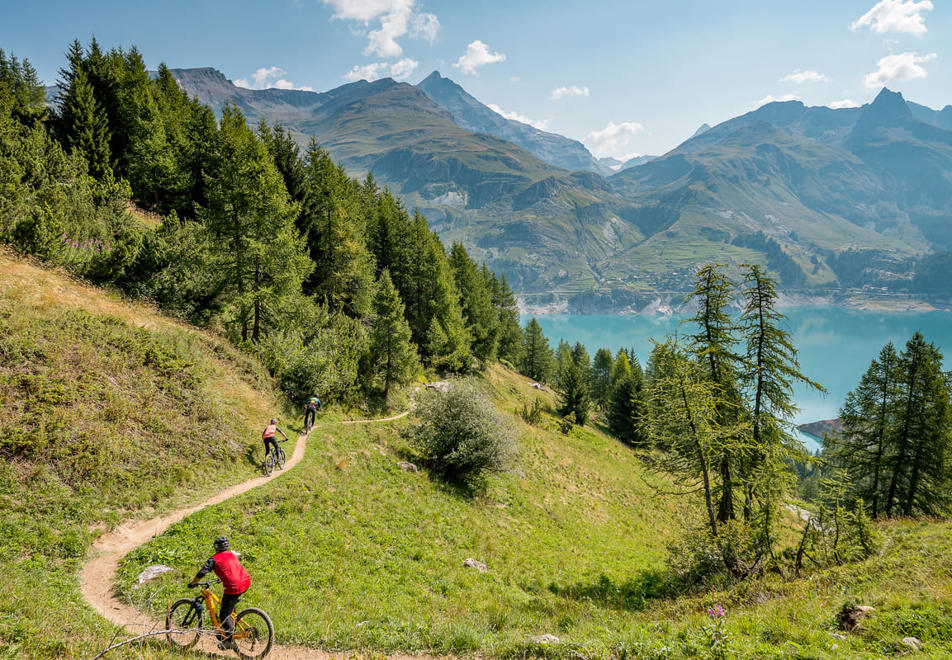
234,578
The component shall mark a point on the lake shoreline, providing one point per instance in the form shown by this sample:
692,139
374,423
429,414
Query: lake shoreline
671,304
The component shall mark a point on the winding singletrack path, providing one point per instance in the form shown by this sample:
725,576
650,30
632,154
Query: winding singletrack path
99,572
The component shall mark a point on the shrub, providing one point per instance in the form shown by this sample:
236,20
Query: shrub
461,436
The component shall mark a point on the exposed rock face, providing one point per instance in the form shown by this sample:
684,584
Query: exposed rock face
406,466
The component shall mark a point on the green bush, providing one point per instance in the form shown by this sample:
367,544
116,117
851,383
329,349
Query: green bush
461,436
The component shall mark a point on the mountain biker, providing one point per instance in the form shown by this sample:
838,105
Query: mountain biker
235,580
268,437
310,410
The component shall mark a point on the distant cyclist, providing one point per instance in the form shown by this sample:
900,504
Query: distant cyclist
310,411
268,437
235,580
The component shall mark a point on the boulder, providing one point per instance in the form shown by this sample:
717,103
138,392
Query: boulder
538,386
913,642
407,466
441,386
151,573
851,617
478,565
546,639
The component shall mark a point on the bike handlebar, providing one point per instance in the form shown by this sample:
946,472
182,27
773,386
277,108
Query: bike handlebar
205,585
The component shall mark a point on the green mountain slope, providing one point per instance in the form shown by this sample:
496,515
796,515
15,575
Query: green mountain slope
786,185
107,411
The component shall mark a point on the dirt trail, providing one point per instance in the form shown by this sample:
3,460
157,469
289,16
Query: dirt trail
99,572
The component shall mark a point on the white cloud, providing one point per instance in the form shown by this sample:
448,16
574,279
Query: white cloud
800,77
376,70
402,69
270,78
900,66
771,98
477,54
541,125
895,16
397,18
613,139
574,90
845,103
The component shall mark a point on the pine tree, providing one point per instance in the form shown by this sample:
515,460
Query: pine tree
920,462
868,416
511,340
392,355
477,304
538,361
627,408
84,126
601,377
573,393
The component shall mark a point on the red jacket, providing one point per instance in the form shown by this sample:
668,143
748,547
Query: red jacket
233,576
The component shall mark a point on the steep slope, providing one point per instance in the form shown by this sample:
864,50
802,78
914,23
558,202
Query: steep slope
474,116
107,410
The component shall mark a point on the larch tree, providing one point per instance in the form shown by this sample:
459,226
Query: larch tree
770,369
251,219
713,344
392,354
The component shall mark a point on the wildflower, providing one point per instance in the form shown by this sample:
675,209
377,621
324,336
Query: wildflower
716,612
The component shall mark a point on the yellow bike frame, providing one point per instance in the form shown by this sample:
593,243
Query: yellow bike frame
212,601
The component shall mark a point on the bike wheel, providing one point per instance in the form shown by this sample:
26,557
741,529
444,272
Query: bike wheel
282,459
186,620
268,463
254,633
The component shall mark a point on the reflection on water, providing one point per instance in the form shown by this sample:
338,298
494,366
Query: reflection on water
835,345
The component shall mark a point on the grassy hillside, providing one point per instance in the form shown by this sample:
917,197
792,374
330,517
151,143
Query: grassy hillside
350,551
107,411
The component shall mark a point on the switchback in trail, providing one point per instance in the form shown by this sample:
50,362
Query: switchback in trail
99,572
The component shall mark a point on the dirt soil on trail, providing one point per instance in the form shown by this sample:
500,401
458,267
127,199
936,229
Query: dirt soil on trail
99,571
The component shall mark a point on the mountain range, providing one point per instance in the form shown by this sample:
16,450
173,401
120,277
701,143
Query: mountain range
825,198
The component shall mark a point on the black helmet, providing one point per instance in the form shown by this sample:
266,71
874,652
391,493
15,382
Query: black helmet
221,543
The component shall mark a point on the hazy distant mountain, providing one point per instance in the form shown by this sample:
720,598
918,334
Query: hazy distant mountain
812,182
472,115
636,161
703,128
790,186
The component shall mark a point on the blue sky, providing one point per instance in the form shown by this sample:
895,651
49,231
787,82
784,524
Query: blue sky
626,77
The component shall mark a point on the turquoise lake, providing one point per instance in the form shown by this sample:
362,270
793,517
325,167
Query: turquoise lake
835,345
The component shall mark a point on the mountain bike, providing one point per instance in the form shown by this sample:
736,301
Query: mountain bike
274,459
253,634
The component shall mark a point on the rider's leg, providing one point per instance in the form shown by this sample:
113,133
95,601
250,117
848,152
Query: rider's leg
268,444
228,602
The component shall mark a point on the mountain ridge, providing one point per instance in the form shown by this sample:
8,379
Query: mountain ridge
786,184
